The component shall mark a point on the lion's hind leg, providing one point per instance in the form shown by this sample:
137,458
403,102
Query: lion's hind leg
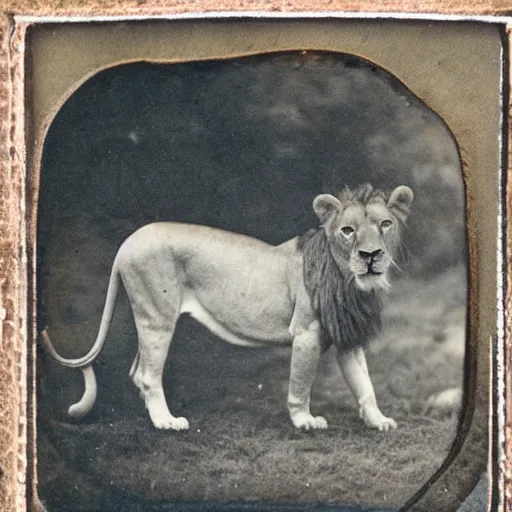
135,374
155,300
147,373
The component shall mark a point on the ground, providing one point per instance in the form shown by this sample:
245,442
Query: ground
242,445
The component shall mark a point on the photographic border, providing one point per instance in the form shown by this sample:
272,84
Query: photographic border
17,442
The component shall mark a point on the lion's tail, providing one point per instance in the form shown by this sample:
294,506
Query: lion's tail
84,405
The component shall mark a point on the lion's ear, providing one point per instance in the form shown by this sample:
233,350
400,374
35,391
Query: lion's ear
324,205
400,202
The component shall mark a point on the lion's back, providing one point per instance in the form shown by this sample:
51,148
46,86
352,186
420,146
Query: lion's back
182,236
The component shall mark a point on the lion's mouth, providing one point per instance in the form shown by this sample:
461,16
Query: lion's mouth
372,280
371,271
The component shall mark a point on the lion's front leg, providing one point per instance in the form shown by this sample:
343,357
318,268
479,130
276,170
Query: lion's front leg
306,352
354,369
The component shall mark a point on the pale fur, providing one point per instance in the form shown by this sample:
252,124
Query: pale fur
245,291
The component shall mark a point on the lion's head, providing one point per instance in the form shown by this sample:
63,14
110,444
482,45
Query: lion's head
347,260
363,231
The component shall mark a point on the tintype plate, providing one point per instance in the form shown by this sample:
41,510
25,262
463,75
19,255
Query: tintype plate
308,191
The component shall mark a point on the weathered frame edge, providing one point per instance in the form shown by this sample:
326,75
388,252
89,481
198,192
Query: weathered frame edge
14,310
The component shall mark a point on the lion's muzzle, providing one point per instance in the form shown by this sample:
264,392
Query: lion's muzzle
369,268
372,256
369,263
372,260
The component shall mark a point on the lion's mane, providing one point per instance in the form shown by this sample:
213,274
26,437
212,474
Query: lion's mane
350,317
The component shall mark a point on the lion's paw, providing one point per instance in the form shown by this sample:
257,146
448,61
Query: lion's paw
171,423
306,421
387,424
373,418
180,423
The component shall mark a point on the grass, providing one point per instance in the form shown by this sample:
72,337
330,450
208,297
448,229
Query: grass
265,460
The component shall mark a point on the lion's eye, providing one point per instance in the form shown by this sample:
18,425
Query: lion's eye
385,224
348,231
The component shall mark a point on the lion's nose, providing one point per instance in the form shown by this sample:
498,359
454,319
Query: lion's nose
371,255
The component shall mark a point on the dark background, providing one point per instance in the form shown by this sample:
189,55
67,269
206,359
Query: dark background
244,145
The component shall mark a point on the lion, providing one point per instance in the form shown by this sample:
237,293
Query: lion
324,287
